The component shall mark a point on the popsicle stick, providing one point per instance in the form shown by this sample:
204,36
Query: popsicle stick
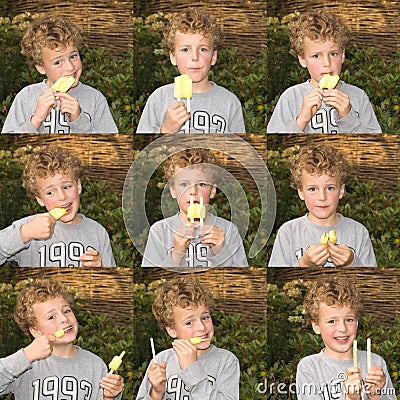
355,353
187,123
153,350
368,354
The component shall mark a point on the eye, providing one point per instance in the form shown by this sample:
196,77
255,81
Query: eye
188,323
67,187
183,184
350,320
67,311
312,189
184,50
205,317
202,184
334,53
204,49
74,56
315,56
50,193
330,188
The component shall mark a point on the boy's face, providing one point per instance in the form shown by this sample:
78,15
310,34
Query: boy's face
53,315
193,322
337,326
194,55
192,181
320,58
60,190
321,193
60,62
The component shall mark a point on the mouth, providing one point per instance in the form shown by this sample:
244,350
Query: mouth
67,207
341,339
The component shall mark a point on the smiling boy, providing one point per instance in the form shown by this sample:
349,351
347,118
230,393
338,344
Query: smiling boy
189,371
50,366
52,176
319,173
51,45
192,41
333,306
180,241
319,40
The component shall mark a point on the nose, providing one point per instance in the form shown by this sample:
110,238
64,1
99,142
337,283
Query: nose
68,66
195,55
322,195
341,326
193,190
61,195
326,60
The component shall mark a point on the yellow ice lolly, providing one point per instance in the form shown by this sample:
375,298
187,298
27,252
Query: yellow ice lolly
116,362
57,212
328,81
59,333
197,340
196,210
63,83
332,236
325,238
183,87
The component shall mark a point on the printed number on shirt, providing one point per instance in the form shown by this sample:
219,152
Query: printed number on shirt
58,387
196,255
57,120
202,121
65,255
176,390
325,120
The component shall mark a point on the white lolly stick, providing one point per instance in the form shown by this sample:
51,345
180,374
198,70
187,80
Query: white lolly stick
187,123
368,354
153,351
355,353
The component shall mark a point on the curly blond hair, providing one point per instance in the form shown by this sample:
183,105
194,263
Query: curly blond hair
319,159
318,26
37,291
182,291
335,291
51,31
192,20
48,161
187,157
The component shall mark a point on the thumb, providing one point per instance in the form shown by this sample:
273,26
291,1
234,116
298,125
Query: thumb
163,364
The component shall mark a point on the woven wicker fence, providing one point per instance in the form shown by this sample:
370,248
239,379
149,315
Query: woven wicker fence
235,290
106,290
380,287
374,157
242,22
105,157
104,23
374,23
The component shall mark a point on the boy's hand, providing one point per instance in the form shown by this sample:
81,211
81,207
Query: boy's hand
91,258
353,384
182,237
176,116
69,105
112,385
46,102
214,236
158,378
39,227
311,104
375,381
187,353
339,100
315,256
341,255
41,347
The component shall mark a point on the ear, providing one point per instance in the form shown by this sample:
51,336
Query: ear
171,332
172,190
343,56
300,193
213,191
39,200
214,57
35,332
341,193
172,58
78,182
316,328
40,69
302,61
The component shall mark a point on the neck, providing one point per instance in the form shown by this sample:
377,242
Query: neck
65,351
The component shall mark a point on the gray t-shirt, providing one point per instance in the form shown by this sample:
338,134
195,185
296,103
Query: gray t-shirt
161,242
215,375
361,118
63,249
216,111
95,114
295,236
320,377
54,377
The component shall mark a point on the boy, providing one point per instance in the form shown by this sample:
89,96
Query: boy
319,40
319,173
189,371
52,176
180,241
51,45
334,306
53,367
193,40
